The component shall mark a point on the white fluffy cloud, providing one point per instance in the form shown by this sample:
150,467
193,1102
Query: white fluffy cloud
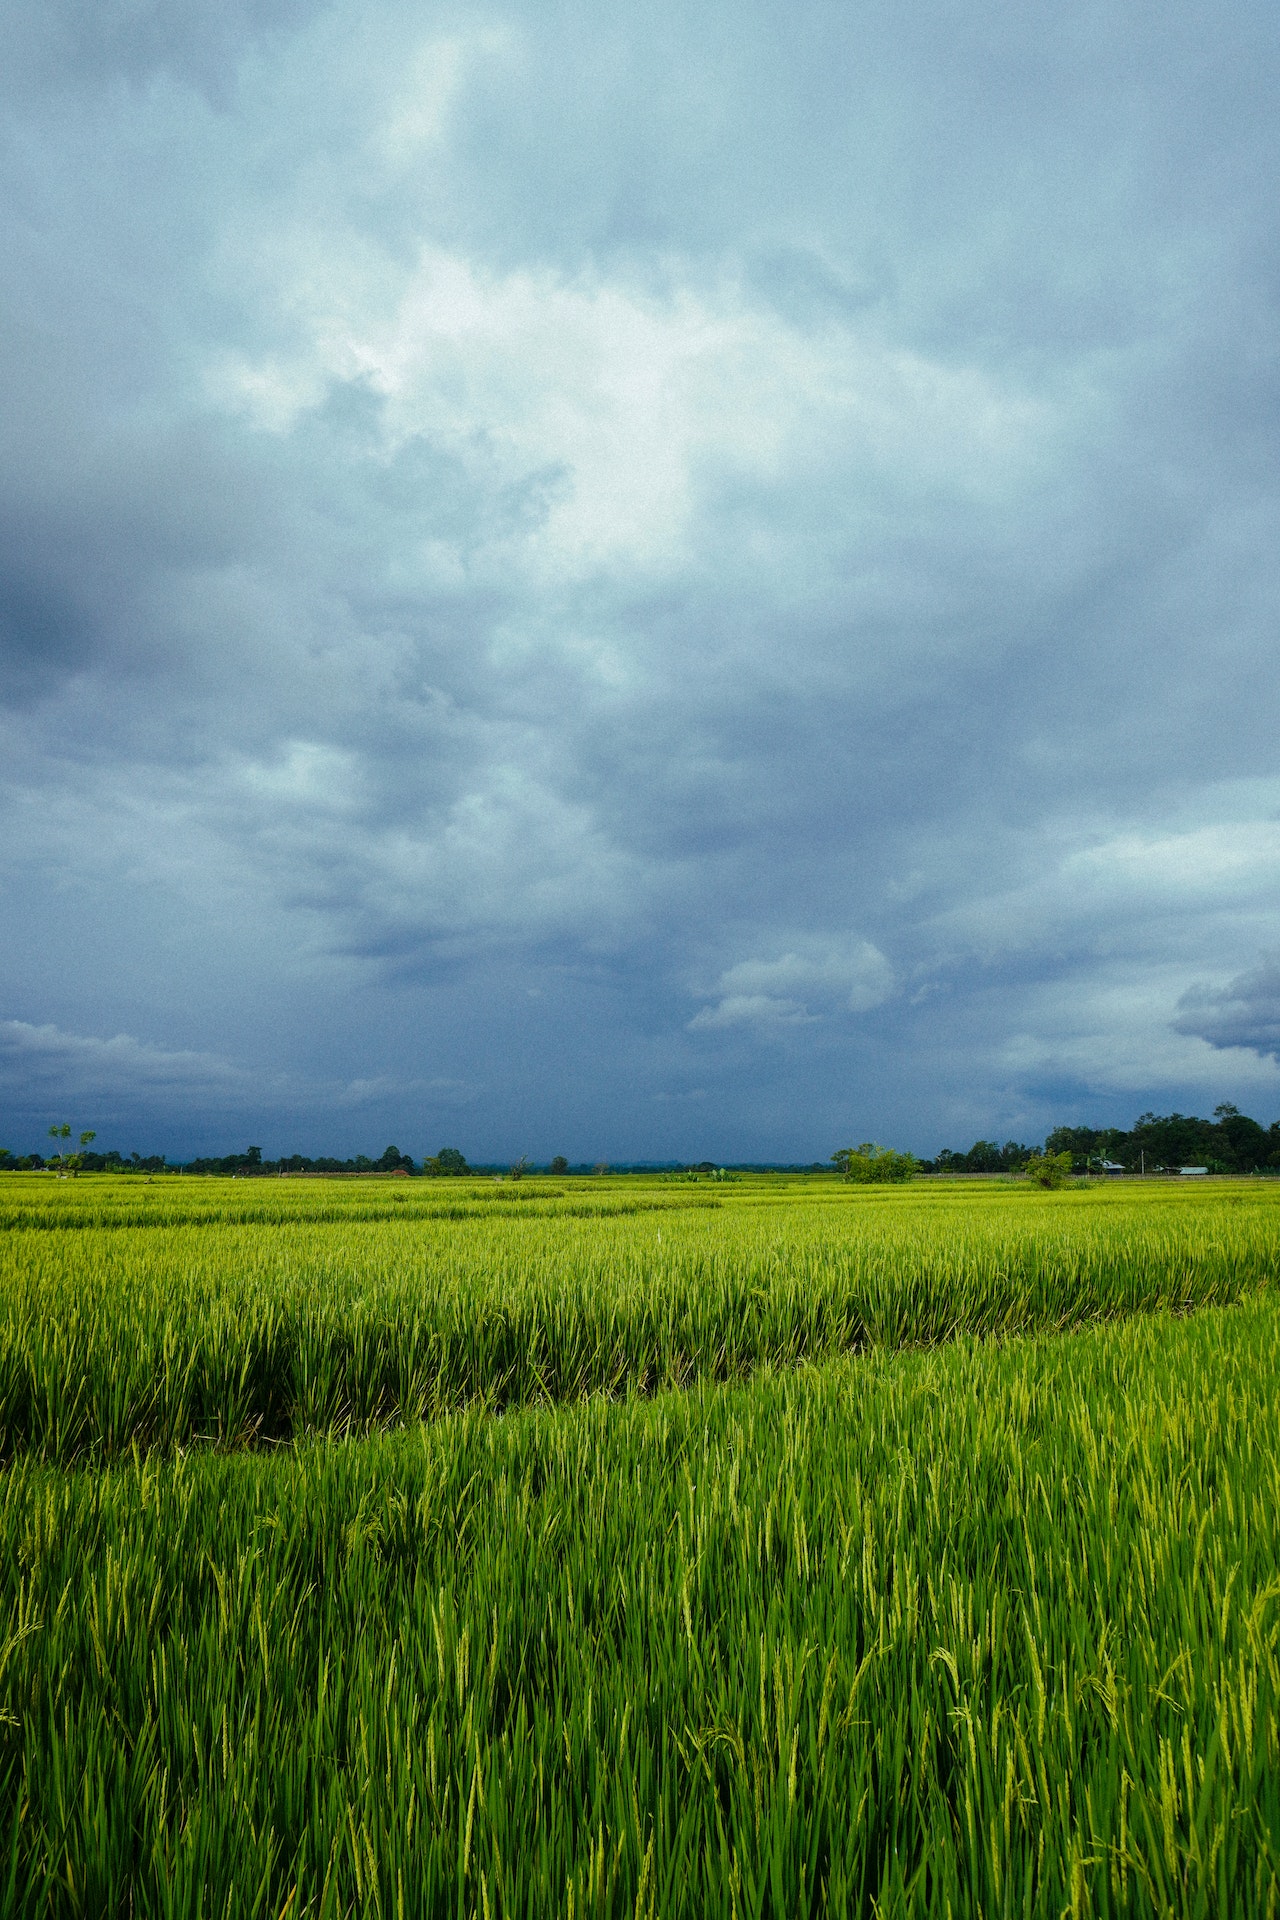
804,983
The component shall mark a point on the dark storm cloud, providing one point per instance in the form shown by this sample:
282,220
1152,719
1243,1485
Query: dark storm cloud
71,1066
66,45
121,1081
42,634
1246,1013
600,567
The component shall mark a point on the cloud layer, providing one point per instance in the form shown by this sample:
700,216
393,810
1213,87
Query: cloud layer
1244,1014
706,589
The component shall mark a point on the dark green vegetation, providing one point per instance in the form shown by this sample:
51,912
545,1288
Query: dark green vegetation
953,1624
1229,1143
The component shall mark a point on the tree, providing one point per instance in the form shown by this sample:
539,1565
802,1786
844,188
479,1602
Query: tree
870,1164
1244,1144
984,1156
559,1165
77,1160
71,1162
1048,1169
447,1161
1088,1146
393,1161
1172,1140
519,1168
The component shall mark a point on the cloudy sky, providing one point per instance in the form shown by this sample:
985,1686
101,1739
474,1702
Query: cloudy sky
648,583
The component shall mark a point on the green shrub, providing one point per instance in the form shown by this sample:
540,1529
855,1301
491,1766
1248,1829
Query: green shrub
869,1163
1048,1169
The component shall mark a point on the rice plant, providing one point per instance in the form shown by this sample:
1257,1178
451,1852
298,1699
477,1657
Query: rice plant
165,1327
992,1628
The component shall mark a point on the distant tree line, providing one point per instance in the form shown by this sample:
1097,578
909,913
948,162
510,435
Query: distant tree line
448,1161
112,1162
1229,1143
249,1162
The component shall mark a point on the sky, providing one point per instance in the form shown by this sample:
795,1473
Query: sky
686,582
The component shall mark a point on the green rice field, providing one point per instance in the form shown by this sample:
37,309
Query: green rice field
628,1547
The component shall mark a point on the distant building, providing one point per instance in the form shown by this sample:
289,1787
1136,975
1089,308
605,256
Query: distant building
1193,1169
1112,1166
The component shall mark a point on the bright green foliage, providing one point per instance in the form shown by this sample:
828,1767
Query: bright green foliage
273,1308
989,1630
1048,1169
873,1165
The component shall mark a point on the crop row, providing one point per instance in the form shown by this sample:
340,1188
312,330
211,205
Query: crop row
984,1630
121,1204
172,1336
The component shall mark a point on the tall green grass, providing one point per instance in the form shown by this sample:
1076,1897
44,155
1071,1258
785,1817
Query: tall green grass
50,1205
985,1630
170,1335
